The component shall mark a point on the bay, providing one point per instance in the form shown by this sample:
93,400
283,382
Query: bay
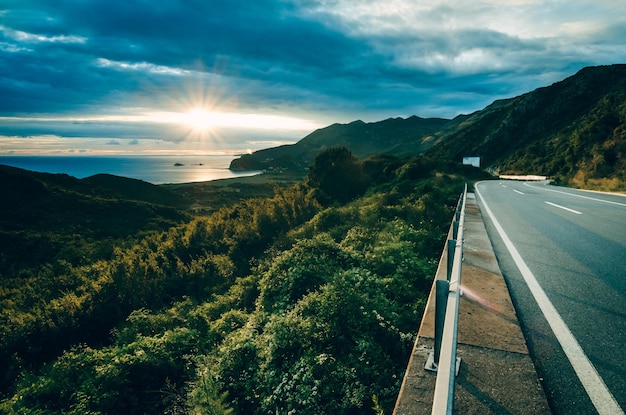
153,169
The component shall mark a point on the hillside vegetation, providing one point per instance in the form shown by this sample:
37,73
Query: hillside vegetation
573,131
45,217
305,302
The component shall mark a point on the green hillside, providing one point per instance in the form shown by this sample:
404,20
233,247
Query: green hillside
57,216
305,301
573,130
130,189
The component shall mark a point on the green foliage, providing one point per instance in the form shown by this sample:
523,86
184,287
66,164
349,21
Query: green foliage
300,270
337,176
205,397
125,379
62,304
269,305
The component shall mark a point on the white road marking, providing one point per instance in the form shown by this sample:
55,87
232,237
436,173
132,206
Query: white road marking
600,395
575,195
564,208
517,191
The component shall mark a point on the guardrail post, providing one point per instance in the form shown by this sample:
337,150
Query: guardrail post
442,288
450,262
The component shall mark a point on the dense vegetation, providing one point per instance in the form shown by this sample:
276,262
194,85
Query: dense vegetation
303,302
590,153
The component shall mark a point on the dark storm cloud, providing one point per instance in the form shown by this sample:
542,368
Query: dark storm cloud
254,41
334,60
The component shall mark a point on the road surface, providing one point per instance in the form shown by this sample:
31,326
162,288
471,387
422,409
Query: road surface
563,254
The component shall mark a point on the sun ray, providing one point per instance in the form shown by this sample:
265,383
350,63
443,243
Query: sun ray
202,114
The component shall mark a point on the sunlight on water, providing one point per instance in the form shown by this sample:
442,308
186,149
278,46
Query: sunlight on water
153,169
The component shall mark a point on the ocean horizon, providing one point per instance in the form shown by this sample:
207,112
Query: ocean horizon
155,169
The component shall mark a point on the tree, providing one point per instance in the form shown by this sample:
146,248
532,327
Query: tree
337,176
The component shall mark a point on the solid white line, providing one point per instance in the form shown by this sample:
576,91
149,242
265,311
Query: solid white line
564,208
600,395
517,191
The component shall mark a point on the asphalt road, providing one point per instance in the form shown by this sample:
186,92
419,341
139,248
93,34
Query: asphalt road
563,255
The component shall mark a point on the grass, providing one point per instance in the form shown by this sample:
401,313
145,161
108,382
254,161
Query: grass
614,184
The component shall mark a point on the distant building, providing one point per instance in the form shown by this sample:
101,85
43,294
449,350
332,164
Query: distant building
472,161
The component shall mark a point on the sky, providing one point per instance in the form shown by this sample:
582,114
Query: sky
232,76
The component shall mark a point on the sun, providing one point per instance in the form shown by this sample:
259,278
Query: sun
199,120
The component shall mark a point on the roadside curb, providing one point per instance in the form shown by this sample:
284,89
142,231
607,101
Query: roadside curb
496,375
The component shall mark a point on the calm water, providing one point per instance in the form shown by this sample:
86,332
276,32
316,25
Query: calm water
153,169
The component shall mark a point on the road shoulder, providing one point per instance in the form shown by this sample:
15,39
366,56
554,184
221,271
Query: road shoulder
496,375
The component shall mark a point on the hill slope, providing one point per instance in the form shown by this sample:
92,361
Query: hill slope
50,215
397,136
575,128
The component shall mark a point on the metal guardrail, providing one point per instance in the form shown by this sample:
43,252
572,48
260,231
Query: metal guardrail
443,358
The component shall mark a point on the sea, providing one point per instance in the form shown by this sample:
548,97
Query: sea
159,169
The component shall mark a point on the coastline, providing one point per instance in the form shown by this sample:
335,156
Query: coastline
154,169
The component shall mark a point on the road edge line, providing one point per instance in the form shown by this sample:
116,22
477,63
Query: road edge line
600,395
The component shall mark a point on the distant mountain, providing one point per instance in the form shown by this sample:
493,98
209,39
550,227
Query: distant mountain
574,129
397,136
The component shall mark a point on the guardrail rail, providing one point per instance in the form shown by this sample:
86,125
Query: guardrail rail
443,359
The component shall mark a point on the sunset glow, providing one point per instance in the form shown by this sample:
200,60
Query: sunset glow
203,120
199,120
